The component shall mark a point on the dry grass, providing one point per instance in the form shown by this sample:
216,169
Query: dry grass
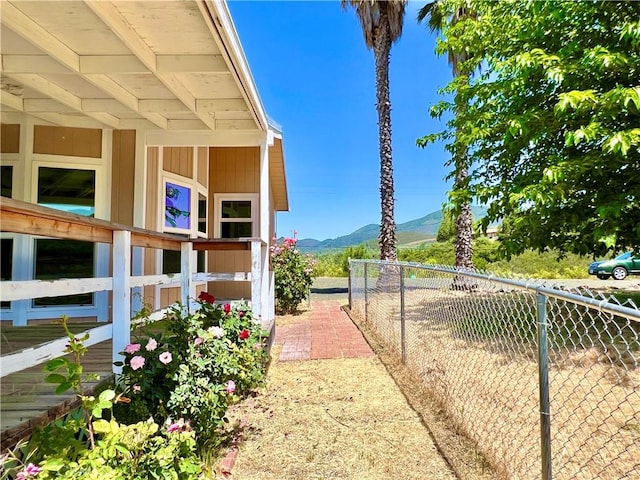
490,392
333,419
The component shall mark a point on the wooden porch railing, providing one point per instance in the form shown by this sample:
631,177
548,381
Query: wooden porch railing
25,218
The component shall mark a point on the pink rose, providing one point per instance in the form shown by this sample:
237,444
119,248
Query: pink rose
136,388
132,348
152,344
231,386
198,341
137,362
29,471
165,357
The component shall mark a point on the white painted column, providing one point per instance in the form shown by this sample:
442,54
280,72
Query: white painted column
139,204
265,225
187,287
256,278
121,294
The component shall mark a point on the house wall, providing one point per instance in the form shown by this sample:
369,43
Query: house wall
26,145
232,170
123,176
9,138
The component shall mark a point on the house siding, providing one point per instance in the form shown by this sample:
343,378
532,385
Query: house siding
73,142
232,170
9,138
122,176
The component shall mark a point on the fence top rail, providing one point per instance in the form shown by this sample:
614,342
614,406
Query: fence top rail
27,218
537,286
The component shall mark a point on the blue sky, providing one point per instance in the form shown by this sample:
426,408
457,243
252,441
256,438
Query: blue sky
316,78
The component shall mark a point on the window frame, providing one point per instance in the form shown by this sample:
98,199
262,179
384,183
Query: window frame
193,197
218,198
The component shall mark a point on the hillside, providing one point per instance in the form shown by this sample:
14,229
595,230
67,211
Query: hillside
421,229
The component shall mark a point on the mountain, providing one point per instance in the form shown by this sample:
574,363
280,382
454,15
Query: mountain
414,231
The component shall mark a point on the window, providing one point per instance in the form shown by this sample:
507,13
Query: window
202,215
6,175
56,259
177,207
236,215
6,267
71,190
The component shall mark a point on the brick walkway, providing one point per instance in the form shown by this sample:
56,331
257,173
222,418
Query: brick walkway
327,332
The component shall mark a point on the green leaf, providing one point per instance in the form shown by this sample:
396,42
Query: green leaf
63,387
55,378
55,364
107,395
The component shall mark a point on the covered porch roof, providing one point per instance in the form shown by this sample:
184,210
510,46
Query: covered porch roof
168,68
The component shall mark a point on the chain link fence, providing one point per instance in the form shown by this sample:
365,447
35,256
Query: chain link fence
546,381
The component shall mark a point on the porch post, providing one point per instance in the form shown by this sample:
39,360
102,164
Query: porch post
265,226
256,278
187,289
121,335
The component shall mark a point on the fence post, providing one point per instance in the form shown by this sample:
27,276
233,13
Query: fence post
187,286
366,299
543,385
349,284
403,333
121,328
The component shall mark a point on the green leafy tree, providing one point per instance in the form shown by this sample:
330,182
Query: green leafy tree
552,123
447,229
381,23
438,15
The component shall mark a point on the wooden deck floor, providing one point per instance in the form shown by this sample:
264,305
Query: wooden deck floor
26,400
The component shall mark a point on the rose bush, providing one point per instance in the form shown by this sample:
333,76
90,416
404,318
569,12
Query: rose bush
293,274
186,371
190,371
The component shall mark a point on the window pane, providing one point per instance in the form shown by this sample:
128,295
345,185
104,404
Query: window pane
6,174
67,189
235,229
177,206
6,256
170,261
56,259
236,209
202,259
202,213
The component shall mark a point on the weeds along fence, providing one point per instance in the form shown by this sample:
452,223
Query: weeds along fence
545,380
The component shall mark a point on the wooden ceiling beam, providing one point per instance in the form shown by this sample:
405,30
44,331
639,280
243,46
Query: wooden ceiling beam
111,16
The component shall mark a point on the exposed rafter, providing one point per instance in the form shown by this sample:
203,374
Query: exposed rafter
109,14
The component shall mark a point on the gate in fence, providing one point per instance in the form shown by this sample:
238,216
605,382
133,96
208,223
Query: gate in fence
545,380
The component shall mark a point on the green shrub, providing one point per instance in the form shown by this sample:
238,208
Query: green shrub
203,362
293,274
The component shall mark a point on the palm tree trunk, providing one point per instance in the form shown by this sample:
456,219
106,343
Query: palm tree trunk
382,50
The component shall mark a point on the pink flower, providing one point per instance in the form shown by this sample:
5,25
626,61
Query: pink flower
137,362
226,307
179,426
132,348
244,334
165,357
152,344
136,388
240,314
231,386
198,341
216,332
29,471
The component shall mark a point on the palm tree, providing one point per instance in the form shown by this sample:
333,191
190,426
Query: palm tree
436,16
381,23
